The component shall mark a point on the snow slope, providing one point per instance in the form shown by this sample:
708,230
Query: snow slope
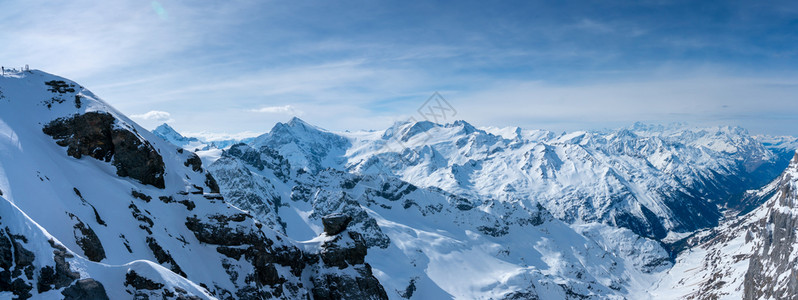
753,256
133,212
657,181
419,237
92,206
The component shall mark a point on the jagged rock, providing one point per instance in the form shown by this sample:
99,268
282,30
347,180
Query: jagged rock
194,161
95,135
85,289
20,289
258,249
408,292
140,195
134,210
163,257
211,183
335,223
60,276
188,203
88,241
342,250
337,286
141,283
60,87
218,233
347,252
21,262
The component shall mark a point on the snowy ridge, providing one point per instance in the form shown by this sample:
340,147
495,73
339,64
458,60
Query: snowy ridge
112,193
420,236
94,206
44,251
749,257
654,180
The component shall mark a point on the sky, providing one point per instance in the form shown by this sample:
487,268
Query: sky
235,68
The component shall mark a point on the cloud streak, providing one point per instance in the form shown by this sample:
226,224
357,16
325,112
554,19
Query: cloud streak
154,115
285,109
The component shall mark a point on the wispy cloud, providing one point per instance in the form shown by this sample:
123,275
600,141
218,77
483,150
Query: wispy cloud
154,115
241,65
285,109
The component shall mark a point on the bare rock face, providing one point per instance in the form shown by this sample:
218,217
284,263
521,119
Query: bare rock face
335,223
89,242
95,135
16,265
85,289
61,276
345,251
773,268
141,283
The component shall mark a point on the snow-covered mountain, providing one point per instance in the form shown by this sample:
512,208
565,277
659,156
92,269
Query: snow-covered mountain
657,181
616,189
169,134
420,236
92,206
96,207
748,257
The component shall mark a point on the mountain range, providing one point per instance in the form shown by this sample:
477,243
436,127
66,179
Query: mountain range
96,207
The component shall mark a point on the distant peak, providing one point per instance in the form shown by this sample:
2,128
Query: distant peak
164,126
165,129
295,121
295,126
467,127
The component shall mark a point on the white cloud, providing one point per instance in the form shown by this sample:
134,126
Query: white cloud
221,136
154,115
285,109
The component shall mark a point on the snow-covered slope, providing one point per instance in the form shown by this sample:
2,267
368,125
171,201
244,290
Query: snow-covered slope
419,237
93,203
749,257
169,134
94,206
657,181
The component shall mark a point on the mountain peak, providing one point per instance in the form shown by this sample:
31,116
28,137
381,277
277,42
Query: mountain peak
467,127
295,126
296,121
165,129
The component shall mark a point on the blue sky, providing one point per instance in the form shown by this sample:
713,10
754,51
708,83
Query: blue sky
232,67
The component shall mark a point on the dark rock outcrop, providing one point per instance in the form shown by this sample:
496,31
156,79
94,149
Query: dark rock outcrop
16,263
346,251
335,223
773,257
211,183
194,161
60,276
362,286
87,240
85,289
163,257
141,283
95,134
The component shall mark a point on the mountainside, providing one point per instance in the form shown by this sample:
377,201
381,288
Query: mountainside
419,236
750,257
170,135
95,206
644,182
656,181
